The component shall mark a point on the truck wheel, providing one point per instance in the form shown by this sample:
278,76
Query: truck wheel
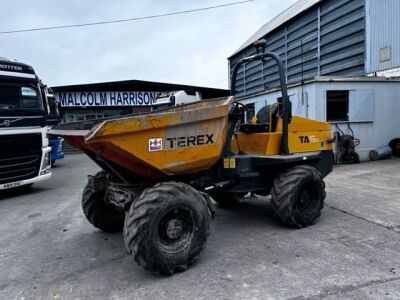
298,196
100,214
167,227
226,200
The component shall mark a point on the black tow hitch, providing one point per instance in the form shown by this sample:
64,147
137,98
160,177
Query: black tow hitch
121,195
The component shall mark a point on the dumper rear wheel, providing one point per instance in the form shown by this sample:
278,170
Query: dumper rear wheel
100,214
167,227
298,196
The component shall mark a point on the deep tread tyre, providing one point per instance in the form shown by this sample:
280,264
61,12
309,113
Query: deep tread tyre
101,215
167,227
226,200
298,196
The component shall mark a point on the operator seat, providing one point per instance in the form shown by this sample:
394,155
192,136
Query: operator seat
266,116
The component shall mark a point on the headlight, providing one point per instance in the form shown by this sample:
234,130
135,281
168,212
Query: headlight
46,164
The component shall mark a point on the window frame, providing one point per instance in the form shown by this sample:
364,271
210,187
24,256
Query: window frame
336,120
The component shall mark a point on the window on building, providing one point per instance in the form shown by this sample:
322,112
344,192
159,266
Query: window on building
337,106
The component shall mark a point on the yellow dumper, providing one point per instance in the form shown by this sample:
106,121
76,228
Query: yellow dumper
160,169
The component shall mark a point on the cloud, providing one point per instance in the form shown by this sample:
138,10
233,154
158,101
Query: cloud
187,49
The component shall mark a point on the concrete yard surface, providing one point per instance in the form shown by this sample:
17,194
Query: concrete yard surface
49,251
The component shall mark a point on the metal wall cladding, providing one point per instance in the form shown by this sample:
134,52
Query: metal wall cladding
327,39
383,33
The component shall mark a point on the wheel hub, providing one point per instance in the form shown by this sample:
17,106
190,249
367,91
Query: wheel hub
305,201
174,229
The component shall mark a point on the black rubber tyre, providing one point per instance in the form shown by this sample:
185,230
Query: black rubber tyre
101,215
298,196
167,227
395,145
226,200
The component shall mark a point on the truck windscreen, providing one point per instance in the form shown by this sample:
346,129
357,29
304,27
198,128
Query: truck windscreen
19,96
53,106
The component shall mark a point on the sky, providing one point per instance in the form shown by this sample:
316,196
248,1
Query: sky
185,49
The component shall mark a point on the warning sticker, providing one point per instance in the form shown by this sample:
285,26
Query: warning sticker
155,144
229,163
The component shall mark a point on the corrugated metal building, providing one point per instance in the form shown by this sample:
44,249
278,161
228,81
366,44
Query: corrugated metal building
382,35
328,48
324,38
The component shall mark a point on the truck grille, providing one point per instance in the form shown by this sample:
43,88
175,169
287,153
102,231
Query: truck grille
20,144
19,168
20,157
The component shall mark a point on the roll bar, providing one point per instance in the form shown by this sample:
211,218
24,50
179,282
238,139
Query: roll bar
286,104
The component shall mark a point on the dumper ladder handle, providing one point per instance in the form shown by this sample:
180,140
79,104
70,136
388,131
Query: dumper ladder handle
286,104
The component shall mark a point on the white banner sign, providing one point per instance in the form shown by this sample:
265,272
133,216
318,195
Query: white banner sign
91,99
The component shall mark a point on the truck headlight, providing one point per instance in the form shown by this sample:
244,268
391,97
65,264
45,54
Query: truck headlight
46,164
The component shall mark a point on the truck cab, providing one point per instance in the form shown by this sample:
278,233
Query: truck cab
53,118
177,98
24,149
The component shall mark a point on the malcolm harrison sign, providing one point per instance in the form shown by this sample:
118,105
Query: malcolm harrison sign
98,99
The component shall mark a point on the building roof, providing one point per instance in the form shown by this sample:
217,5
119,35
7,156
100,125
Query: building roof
142,86
327,79
353,79
297,8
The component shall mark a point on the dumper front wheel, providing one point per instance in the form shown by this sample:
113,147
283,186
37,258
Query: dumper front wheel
100,214
298,196
167,227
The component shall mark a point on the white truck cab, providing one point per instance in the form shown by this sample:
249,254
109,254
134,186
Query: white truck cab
176,98
24,148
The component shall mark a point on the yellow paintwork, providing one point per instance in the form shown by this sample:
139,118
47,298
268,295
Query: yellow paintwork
317,133
201,129
132,134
